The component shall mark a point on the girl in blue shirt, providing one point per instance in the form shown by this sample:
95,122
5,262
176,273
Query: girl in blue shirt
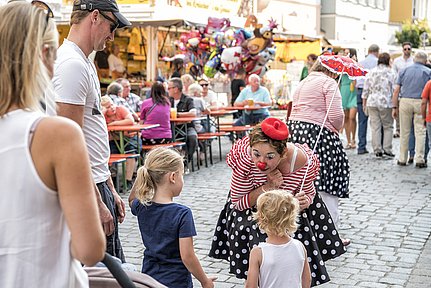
167,228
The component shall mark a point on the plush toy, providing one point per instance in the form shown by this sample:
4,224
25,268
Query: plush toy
231,58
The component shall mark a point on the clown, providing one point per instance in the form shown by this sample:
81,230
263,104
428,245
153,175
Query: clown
265,161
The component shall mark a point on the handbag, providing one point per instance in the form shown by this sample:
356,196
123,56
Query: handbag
149,111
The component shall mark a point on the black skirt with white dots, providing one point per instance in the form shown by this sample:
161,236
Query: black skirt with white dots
237,233
334,165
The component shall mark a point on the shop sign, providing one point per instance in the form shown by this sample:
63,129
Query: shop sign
223,7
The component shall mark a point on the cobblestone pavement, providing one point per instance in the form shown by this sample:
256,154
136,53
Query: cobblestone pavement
387,218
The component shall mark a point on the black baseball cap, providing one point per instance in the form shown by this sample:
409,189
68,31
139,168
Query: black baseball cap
103,5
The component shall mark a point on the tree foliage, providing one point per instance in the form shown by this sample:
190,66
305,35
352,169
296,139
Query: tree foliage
411,32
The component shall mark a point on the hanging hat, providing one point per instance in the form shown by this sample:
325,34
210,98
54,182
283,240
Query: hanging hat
275,129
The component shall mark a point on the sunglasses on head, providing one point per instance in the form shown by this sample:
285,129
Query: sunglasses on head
114,24
45,8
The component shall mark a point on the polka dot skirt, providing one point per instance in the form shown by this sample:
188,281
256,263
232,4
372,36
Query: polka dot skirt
334,166
236,234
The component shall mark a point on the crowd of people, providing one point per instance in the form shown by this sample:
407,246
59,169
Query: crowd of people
286,181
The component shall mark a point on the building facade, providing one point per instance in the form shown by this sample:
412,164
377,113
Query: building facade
356,23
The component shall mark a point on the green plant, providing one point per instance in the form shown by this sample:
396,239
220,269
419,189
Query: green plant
411,31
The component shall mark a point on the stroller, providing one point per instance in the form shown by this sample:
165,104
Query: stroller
113,276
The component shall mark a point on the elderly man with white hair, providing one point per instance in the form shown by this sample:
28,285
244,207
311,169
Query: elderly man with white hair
407,104
253,94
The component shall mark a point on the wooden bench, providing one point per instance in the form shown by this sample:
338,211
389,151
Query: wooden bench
115,161
126,156
206,140
218,135
237,132
167,145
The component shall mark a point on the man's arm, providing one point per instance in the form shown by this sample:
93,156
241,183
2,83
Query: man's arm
71,111
76,113
121,208
395,101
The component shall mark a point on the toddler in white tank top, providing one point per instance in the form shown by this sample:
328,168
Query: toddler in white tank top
281,261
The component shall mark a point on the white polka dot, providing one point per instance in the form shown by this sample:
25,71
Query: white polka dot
322,217
313,275
243,237
306,229
325,228
337,243
232,263
238,271
239,219
245,262
306,243
321,236
224,252
328,242
218,228
321,263
315,252
318,205
217,252
244,251
223,221
220,243
237,256
333,252
324,251
323,277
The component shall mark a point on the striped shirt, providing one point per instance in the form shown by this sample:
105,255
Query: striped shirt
312,98
246,177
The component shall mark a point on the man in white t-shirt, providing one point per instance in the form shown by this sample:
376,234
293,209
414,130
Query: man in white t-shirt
93,23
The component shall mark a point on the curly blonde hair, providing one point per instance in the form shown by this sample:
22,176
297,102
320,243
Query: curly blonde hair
158,162
277,211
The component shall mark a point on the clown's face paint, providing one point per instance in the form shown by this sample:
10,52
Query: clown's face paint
265,157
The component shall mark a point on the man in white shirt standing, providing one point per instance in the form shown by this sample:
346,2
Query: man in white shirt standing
368,63
400,63
93,23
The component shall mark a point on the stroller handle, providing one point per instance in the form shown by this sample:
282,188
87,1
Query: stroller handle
117,271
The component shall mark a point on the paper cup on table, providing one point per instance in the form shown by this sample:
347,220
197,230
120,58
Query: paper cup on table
173,113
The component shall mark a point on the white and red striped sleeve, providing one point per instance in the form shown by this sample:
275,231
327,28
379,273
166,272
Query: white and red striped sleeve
239,160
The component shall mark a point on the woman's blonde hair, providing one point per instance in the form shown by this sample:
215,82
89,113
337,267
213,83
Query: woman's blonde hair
277,211
24,78
158,162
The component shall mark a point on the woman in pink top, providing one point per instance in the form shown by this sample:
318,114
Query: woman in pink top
311,103
156,110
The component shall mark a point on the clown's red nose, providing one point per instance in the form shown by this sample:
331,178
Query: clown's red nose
261,165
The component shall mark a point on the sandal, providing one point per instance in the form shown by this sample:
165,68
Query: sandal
353,145
348,147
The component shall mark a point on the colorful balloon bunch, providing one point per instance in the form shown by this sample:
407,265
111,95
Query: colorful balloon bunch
220,47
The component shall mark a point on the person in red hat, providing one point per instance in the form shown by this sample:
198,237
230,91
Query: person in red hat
265,161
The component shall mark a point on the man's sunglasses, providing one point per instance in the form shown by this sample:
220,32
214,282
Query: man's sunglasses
45,8
407,49
114,24
204,85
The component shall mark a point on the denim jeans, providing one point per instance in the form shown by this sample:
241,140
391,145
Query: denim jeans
412,142
362,123
250,119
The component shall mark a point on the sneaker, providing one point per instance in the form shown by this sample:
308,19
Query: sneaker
401,163
379,154
389,154
411,159
360,152
187,171
396,135
421,165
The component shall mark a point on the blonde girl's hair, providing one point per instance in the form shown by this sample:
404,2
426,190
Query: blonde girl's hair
158,162
277,211
24,78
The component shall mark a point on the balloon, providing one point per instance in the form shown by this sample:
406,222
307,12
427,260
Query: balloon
193,42
231,58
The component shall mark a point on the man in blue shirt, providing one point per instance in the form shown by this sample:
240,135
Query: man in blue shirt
368,63
253,95
407,104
